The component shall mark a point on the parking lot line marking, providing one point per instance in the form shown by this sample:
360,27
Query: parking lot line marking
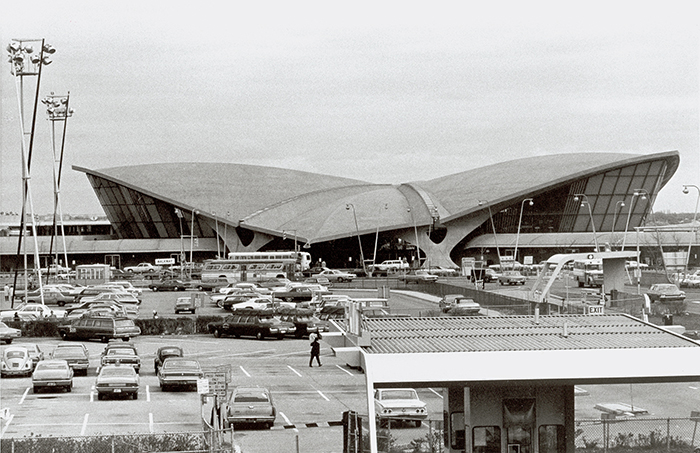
438,394
244,371
150,422
148,393
85,422
691,387
92,395
324,396
295,371
24,395
4,428
340,367
287,421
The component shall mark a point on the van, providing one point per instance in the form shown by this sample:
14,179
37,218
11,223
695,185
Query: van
101,328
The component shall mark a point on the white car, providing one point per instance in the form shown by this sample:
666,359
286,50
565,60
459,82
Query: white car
392,266
334,275
142,268
32,311
399,404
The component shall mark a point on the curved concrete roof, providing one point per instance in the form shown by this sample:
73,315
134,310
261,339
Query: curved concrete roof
318,207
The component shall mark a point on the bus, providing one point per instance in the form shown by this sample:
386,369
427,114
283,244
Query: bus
252,266
588,272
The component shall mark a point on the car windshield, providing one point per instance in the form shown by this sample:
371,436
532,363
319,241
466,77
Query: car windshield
180,364
171,351
50,366
117,371
250,397
399,395
68,352
14,354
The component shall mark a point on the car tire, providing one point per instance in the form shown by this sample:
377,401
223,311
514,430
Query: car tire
217,333
176,288
164,388
418,423
61,304
135,395
35,390
154,288
260,336
341,279
100,396
69,388
63,334
8,341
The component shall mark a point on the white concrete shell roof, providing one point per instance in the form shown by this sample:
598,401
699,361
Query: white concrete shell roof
271,200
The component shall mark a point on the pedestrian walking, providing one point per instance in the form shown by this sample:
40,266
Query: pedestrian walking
315,349
7,293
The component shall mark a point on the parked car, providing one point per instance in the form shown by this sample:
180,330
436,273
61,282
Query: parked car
76,355
319,280
122,352
335,275
399,404
391,266
165,352
441,271
32,311
446,302
7,334
303,320
51,296
512,278
102,328
250,405
258,325
117,380
179,372
665,292
16,361
228,302
142,268
213,285
168,285
463,306
419,276
52,374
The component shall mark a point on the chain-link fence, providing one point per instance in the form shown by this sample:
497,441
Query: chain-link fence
662,435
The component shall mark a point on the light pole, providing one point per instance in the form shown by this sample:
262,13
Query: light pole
415,229
584,200
376,238
26,63
194,212
178,213
517,236
357,228
637,193
58,110
692,236
620,203
493,226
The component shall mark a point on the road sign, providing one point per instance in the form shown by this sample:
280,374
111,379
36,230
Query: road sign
164,261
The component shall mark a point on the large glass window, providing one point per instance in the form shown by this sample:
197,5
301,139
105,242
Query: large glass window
486,439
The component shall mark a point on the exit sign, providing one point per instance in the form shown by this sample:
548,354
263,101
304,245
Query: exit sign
595,310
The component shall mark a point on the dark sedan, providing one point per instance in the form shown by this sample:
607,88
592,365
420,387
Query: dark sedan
168,285
179,372
52,375
165,352
258,325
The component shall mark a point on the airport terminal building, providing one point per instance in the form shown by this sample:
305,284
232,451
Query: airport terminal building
532,207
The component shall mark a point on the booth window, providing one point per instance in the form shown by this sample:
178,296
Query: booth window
551,439
457,438
519,422
486,439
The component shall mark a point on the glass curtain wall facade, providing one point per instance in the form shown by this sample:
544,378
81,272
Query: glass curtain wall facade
558,211
135,215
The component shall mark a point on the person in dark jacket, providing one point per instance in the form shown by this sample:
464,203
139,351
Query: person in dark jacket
315,349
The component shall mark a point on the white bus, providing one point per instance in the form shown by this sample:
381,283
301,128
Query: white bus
252,266
588,272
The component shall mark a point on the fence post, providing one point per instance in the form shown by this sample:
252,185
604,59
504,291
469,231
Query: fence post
668,435
113,436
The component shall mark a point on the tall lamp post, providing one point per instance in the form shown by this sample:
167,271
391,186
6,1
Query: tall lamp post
584,200
637,193
376,238
178,213
415,230
520,222
357,228
692,236
493,226
25,62
284,237
621,204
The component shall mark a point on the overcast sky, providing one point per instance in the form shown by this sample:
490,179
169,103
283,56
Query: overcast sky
385,92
